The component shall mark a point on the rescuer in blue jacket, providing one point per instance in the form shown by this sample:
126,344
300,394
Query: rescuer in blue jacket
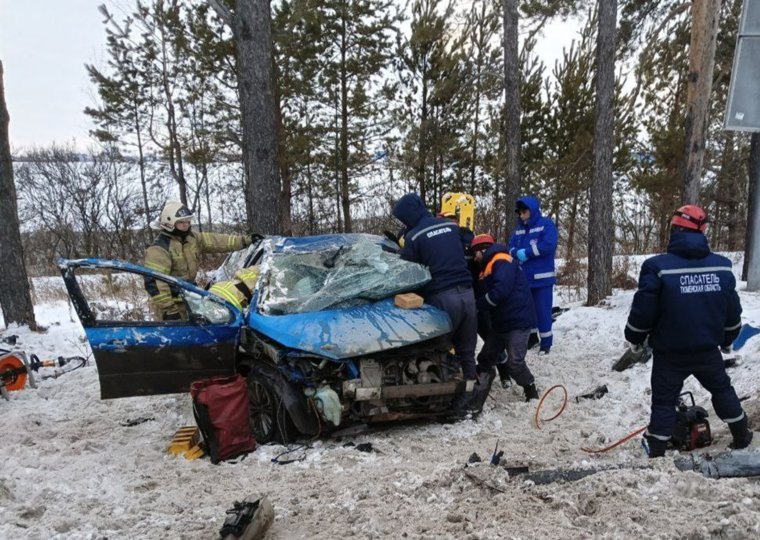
507,301
534,244
436,243
687,306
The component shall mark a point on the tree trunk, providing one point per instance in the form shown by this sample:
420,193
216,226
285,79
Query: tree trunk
704,33
512,113
175,147
251,26
423,142
601,227
15,298
572,221
141,165
343,162
284,165
475,130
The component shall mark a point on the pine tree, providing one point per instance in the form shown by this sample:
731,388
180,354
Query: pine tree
431,76
358,36
123,113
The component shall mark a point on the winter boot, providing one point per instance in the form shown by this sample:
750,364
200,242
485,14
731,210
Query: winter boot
654,447
530,392
459,405
481,391
506,381
741,432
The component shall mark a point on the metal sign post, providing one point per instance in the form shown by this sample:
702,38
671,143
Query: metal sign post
743,114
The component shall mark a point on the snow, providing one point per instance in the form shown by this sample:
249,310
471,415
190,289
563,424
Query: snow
71,468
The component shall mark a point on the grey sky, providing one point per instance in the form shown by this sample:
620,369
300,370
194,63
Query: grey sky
44,45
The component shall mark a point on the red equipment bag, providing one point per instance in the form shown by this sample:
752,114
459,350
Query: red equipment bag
220,406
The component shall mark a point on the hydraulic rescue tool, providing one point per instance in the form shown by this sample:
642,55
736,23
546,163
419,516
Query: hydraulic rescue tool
15,369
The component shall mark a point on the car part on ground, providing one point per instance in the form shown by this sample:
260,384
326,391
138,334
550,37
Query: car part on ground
631,357
248,520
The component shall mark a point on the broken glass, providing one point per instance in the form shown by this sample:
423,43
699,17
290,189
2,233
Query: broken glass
335,274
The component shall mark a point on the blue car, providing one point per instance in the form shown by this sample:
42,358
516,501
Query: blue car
322,344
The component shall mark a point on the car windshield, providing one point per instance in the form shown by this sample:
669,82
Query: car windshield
335,273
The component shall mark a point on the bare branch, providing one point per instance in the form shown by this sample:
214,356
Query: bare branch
225,14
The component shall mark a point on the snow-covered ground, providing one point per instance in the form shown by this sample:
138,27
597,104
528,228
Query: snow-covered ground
71,469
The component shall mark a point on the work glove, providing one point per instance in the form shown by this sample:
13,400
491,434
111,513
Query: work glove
636,347
727,350
172,317
256,237
521,255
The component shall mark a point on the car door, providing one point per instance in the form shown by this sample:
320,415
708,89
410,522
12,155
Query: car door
136,354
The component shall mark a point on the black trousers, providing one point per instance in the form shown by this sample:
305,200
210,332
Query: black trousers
670,370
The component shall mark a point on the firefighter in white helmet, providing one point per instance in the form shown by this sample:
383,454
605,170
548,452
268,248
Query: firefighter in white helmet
176,252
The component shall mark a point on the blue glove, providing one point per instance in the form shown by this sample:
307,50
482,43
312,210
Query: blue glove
521,255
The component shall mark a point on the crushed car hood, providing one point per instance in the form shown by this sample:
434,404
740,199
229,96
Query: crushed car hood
356,331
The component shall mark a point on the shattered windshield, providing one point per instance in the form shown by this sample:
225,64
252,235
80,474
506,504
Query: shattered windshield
338,271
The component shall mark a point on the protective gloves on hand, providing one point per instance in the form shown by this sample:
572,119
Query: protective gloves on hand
521,255
256,237
636,347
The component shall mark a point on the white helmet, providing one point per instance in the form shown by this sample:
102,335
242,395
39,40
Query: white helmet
173,212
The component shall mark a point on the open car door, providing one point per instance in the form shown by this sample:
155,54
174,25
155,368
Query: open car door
136,354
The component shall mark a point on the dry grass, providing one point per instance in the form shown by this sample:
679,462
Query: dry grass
111,295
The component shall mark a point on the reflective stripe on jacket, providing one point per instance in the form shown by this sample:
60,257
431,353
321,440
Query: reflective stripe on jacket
238,291
506,292
179,257
538,237
686,301
434,242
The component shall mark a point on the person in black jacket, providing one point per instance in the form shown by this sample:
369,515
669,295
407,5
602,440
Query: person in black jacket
507,300
436,243
687,307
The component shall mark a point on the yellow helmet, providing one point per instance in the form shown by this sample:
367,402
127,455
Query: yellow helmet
173,212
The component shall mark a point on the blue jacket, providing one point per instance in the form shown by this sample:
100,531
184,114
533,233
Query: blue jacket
686,301
538,238
434,242
505,290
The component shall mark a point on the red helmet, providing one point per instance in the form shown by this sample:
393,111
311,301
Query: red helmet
482,241
690,217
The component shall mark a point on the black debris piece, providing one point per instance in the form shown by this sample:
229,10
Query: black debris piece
596,393
474,458
137,421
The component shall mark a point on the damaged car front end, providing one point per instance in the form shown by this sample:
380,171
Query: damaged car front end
322,342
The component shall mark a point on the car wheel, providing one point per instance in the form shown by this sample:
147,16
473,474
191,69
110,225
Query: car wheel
270,421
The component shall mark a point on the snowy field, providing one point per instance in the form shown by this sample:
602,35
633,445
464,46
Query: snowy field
72,469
